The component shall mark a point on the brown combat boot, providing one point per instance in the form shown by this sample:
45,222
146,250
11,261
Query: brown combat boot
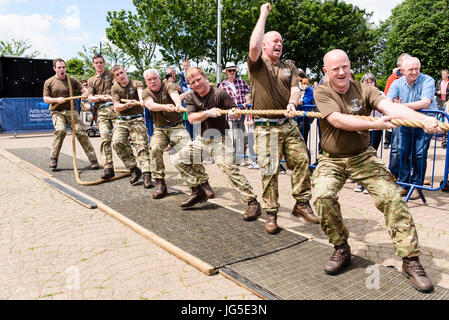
108,173
253,211
197,196
340,259
147,183
135,175
94,165
161,189
303,209
413,270
208,190
271,225
53,163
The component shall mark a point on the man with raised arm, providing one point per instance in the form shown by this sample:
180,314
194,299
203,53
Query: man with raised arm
274,84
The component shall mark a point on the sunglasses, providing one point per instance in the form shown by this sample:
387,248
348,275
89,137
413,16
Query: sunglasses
233,70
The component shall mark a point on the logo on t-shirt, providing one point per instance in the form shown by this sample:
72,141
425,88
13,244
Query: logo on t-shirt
107,78
286,72
356,105
131,90
164,96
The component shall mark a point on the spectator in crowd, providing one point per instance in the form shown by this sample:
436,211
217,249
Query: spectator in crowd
249,129
239,90
442,95
375,135
306,98
396,74
417,91
390,138
185,88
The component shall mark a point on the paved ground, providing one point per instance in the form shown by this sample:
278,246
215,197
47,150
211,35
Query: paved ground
53,248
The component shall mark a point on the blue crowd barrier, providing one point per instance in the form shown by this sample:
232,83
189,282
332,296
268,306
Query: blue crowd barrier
25,115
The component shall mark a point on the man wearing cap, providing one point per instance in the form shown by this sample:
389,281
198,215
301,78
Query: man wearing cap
130,124
99,87
239,90
274,85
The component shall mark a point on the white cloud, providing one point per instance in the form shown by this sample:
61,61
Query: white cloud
33,27
381,9
71,21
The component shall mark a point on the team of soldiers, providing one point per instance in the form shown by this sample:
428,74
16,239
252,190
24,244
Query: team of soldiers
345,143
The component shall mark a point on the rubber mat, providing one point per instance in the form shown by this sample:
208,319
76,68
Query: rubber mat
297,273
214,234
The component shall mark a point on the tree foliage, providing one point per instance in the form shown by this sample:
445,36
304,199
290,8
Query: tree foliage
420,28
129,32
18,48
310,28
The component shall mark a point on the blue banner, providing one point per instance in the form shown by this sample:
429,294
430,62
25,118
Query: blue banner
25,115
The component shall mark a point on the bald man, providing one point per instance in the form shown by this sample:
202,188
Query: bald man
274,85
347,154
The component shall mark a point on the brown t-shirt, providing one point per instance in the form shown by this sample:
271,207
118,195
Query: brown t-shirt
215,98
271,84
163,118
56,88
359,100
100,85
130,93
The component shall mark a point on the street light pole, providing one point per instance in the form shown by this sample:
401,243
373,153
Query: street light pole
219,43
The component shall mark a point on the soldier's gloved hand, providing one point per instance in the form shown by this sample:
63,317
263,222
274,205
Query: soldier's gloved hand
213,113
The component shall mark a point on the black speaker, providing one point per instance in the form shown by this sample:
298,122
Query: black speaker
17,89
43,69
38,88
17,68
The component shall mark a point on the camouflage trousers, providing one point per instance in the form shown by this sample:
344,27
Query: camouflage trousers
178,137
136,129
367,169
60,120
106,119
222,151
273,143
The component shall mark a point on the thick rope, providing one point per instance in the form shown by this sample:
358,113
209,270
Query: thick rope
75,166
311,114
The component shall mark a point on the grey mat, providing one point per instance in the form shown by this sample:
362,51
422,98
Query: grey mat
214,234
297,273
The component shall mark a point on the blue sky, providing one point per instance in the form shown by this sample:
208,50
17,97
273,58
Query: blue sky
60,28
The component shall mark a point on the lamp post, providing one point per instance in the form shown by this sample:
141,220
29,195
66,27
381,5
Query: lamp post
219,43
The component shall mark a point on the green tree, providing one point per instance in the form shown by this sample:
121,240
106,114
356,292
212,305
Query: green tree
420,28
313,27
19,48
75,68
129,32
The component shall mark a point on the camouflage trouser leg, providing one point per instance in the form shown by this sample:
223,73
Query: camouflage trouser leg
136,129
79,131
330,176
59,123
106,119
177,136
224,155
271,143
188,161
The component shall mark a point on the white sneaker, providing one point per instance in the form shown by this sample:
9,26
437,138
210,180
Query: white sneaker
365,191
253,165
359,188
